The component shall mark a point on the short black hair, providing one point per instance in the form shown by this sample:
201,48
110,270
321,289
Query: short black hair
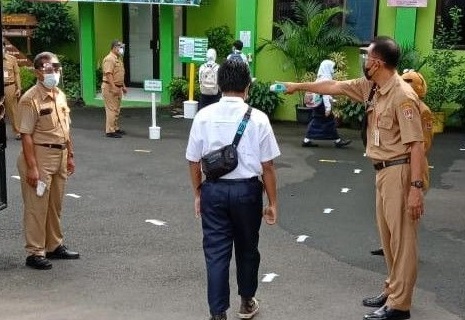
233,76
238,44
387,50
43,57
116,43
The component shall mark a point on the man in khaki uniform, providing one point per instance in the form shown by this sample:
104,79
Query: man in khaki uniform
113,88
44,163
395,145
12,82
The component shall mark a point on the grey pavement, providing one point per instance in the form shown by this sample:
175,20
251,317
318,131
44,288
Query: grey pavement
131,269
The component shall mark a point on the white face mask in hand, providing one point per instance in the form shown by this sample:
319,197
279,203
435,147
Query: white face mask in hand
51,80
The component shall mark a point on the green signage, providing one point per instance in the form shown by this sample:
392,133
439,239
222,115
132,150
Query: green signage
193,50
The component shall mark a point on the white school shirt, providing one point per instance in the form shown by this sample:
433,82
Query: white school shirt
215,126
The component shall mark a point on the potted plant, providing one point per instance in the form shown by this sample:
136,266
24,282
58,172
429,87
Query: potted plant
444,64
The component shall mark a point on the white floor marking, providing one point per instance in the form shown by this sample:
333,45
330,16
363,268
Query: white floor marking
345,190
302,238
73,195
462,149
142,151
327,160
178,116
328,210
156,222
357,171
16,177
268,277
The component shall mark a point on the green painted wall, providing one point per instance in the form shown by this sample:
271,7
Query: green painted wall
108,26
213,13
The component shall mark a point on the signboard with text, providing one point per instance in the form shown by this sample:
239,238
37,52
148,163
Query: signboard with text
407,3
193,50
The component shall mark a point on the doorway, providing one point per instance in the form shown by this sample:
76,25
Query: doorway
141,35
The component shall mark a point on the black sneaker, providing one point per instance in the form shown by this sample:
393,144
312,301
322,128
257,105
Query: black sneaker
309,144
342,143
249,308
62,253
38,262
120,132
221,316
113,135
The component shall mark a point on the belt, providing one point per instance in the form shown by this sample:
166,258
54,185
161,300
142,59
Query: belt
233,180
385,164
9,84
52,145
116,85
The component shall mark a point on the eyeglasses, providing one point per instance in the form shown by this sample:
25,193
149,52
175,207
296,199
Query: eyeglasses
49,67
366,57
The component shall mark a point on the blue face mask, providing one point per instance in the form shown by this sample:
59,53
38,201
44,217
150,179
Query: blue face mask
51,80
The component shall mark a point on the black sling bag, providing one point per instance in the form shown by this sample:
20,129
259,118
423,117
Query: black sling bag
224,160
365,115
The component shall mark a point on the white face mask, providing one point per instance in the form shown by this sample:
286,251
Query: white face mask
51,80
121,51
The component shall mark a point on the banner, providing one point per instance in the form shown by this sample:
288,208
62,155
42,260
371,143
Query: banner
162,2
407,3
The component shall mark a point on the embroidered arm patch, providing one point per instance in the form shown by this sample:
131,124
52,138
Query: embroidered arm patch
407,110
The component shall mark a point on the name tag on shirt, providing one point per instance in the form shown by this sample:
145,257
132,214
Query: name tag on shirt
5,74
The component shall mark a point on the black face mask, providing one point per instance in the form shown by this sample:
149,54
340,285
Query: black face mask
366,72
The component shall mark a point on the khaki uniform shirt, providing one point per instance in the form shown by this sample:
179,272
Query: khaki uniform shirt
112,64
394,113
11,71
44,115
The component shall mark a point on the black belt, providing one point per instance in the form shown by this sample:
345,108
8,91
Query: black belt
9,84
53,145
385,164
233,180
116,85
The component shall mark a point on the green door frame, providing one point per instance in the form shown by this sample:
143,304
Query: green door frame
246,21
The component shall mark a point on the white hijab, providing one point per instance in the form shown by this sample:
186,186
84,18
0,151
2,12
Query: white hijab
326,70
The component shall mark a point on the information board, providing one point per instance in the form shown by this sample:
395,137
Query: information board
407,3
193,49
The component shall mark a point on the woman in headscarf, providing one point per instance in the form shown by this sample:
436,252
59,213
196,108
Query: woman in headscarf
322,126
208,79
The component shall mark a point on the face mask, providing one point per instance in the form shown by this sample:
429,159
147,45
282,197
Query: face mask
121,51
51,80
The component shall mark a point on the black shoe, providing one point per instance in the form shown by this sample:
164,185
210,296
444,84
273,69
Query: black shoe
120,132
377,252
38,262
375,302
386,313
309,144
113,135
342,143
62,253
221,316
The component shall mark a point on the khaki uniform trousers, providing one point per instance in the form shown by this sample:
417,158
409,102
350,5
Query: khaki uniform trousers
42,225
112,108
11,104
398,233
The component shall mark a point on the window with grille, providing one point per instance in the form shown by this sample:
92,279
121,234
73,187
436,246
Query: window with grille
361,17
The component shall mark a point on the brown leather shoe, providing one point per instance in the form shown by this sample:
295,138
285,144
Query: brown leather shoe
62,253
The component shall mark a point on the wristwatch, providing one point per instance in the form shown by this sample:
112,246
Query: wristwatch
417,184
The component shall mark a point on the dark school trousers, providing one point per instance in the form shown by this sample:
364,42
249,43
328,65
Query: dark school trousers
231,214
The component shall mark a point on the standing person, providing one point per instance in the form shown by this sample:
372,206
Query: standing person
208,79
395,146
45,161
236,53
322,126
231,207
12,85
113,88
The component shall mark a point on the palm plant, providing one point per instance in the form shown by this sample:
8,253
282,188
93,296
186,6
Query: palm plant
310,37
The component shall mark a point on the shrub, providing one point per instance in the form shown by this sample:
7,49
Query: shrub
262,98
179,91
71,78
221,39
28,78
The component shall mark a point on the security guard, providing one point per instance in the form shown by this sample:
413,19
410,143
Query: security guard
395,145
12,82
44,163
113,88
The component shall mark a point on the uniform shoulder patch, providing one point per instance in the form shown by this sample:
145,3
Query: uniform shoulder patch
407,109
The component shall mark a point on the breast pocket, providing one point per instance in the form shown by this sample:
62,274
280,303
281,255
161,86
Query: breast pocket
386,132
47,120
